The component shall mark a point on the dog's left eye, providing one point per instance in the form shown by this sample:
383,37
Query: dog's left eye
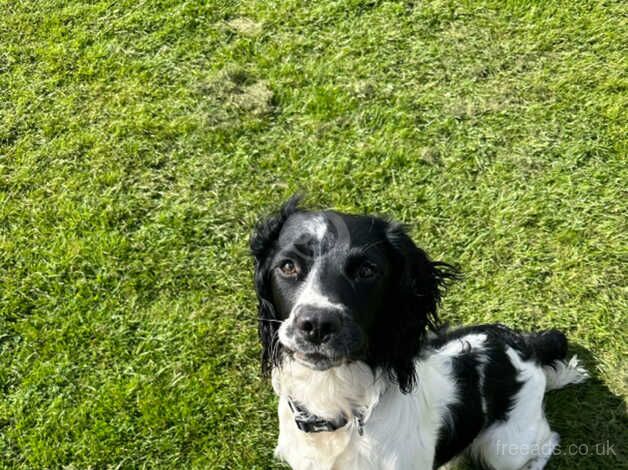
289,268
366,271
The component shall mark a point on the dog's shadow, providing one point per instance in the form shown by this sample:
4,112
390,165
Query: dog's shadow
591,420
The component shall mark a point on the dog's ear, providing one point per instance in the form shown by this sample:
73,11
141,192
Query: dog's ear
415,294
262,244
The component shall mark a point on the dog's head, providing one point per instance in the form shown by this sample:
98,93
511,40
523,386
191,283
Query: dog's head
335,288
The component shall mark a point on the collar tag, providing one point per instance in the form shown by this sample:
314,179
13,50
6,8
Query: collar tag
360,424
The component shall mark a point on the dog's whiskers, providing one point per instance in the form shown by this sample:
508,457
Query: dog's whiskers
371,245
275,346
269,320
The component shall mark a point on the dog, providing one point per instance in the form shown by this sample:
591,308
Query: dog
366,376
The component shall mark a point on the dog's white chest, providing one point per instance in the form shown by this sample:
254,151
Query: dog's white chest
310,451
386,444
399,431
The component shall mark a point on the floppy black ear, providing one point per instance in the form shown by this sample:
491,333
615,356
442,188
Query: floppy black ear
262,244
412,309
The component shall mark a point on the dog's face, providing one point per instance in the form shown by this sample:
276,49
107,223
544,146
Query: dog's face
335,288
329,274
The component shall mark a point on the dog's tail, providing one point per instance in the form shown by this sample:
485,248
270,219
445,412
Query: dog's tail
550,348
561,373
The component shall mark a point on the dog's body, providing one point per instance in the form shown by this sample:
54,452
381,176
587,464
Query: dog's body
345,306
456,405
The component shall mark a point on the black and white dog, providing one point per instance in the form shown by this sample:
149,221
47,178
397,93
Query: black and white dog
365,377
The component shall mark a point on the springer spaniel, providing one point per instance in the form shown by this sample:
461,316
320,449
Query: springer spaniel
367,379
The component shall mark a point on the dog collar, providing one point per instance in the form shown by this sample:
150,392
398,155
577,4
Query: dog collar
307,422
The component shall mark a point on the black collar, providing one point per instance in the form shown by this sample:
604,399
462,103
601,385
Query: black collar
307,422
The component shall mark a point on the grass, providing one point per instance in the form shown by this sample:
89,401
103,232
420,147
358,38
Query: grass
140,141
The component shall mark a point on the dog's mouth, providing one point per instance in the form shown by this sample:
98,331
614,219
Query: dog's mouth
344,348
316,360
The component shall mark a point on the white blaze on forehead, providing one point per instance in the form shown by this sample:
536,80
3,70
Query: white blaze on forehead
317,226
312,295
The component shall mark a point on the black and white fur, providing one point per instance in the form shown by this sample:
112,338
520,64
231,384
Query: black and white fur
349,327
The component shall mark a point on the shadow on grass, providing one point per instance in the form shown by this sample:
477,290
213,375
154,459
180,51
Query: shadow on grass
591,420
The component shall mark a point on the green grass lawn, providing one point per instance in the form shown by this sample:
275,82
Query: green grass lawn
141,140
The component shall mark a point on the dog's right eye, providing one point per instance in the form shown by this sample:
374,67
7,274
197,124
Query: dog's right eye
288,268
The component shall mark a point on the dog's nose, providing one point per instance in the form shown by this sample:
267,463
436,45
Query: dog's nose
317,325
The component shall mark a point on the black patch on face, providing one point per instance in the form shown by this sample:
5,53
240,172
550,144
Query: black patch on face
345,258
388,287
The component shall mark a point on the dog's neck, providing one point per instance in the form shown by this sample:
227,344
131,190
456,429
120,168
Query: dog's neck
351,389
